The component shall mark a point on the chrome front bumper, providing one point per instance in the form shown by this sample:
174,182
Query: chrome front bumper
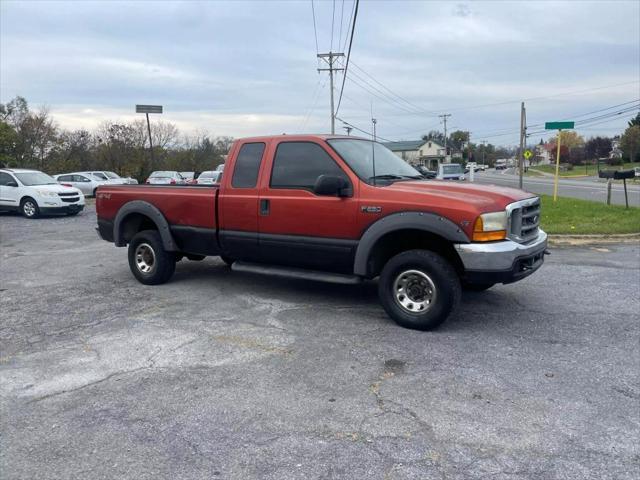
506,257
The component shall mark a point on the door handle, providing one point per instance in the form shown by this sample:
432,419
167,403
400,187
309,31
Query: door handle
264,206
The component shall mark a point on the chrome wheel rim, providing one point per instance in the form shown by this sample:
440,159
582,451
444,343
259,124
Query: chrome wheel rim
145,258
414,291
29,209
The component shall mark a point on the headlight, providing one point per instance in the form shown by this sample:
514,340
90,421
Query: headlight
46,193
490,227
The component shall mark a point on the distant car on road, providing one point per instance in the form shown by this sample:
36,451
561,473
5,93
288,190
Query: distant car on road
425,172
450,171
83,181
210,177
166,178
501,164
636,171
113,178
34,193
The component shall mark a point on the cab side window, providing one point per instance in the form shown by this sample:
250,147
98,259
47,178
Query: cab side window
299,164
65,178
5,179
245,172
80,178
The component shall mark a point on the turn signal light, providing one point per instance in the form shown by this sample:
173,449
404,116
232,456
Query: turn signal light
479,235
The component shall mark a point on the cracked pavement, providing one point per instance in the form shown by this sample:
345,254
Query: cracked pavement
227,375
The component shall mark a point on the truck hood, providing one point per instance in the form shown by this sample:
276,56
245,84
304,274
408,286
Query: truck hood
485,198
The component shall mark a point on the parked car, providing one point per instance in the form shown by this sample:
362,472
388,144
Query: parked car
310,207
189,177
450,171
220,168
209,177
34,193
165,178
113,178
84,181
425,172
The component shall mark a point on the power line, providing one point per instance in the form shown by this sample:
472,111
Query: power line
413,105
346,65
346,37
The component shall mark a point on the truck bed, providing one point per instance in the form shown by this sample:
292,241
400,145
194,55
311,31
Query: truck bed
182,205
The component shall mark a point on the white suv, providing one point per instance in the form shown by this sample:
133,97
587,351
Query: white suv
35,193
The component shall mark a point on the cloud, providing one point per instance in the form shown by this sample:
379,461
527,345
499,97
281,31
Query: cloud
245,68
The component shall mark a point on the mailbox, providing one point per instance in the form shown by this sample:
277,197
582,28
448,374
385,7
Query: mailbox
607,173
623,174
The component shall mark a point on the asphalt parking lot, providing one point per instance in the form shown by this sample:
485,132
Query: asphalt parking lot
227,375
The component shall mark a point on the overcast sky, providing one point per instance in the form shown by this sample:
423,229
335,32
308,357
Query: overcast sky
244,68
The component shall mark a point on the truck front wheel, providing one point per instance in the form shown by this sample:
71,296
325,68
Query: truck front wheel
149,262
419,289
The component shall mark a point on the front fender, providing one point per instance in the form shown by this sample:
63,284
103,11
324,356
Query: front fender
428,222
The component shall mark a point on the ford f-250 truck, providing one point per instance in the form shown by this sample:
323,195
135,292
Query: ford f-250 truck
333,208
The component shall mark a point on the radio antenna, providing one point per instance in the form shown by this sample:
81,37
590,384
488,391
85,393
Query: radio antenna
373,145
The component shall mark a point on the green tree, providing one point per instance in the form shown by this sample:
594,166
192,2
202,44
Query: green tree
630,143
635,121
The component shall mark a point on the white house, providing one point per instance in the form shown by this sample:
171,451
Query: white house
419,152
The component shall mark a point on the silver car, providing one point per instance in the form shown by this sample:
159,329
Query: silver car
83,181
113,178
209,177
165,178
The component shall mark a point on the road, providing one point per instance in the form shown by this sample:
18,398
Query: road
226,375
585,189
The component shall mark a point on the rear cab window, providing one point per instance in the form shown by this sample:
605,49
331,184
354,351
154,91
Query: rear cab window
247,165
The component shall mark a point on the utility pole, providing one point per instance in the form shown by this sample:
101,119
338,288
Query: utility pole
523,133
484,146
374,121
330,58
348,129
444,117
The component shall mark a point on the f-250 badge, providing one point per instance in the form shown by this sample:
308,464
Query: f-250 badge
369,209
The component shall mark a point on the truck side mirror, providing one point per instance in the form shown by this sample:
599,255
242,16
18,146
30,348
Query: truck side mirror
332,185
11,183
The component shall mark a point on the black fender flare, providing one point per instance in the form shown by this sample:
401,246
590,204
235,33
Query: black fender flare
428,222
148,210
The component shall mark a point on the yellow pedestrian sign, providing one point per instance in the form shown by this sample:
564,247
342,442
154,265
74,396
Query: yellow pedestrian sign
528,154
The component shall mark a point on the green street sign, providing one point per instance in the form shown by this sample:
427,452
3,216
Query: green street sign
558,125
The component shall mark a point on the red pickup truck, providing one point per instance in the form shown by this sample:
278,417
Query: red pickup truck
333,208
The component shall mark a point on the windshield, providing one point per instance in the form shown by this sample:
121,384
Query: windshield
99,175
359,155
35,178
112,175
453,168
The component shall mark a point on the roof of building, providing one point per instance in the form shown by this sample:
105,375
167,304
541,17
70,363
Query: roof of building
404,145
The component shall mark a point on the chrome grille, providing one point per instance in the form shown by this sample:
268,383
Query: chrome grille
524,220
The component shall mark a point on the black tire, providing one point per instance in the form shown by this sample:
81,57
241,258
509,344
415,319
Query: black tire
152,255
29,208
228,260
196,258
476,287
424,271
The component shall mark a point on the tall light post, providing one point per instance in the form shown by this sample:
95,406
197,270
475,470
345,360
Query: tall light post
147,109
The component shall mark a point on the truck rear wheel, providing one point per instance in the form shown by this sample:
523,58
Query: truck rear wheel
149,262
419,289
